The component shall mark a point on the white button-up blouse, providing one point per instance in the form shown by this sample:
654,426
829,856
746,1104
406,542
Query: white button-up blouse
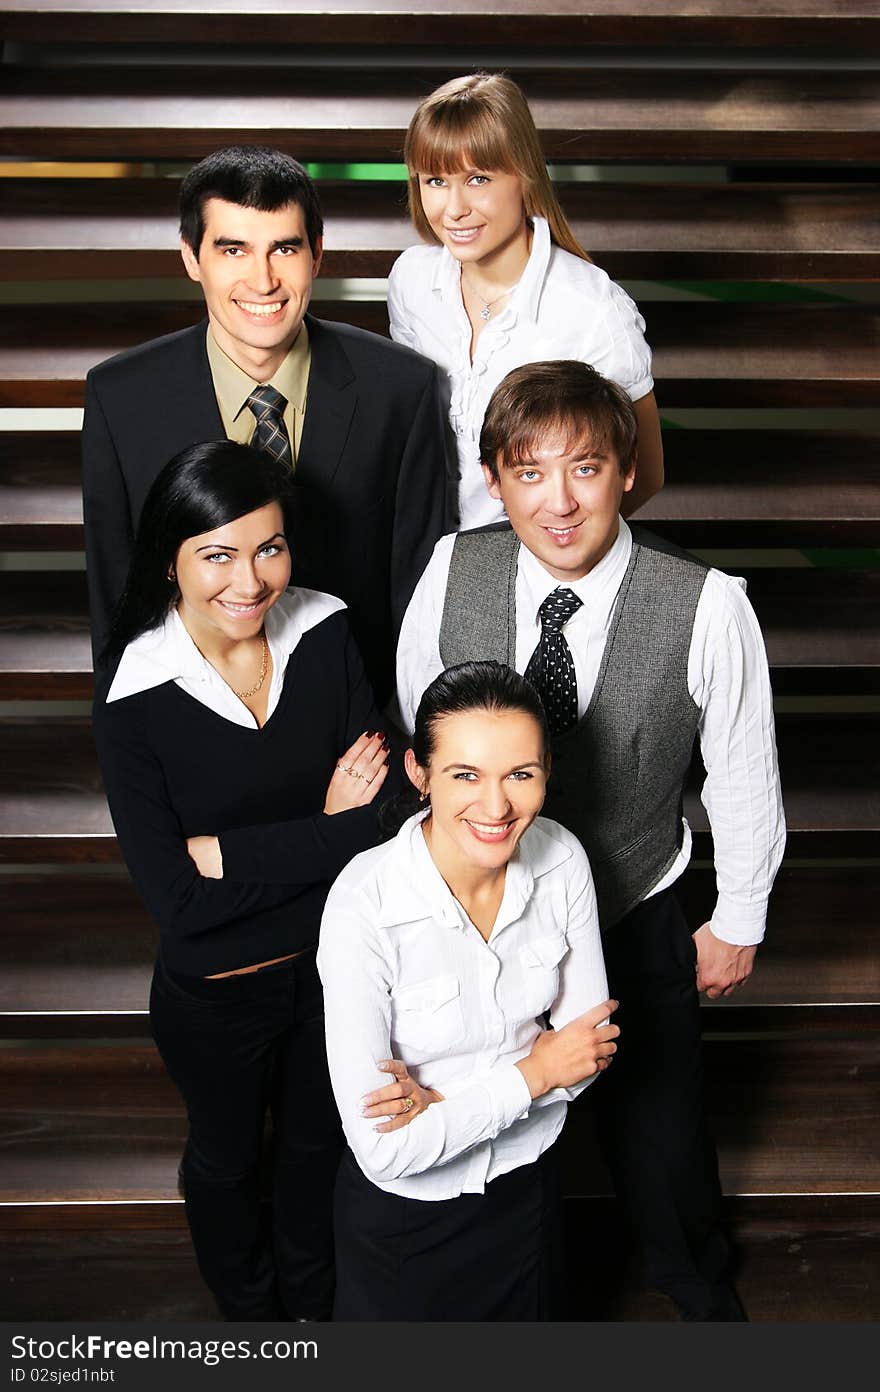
562,307
406,975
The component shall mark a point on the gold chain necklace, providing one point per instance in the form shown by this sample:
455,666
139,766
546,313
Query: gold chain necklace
264,667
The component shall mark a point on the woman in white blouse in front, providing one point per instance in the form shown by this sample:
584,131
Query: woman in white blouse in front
441,954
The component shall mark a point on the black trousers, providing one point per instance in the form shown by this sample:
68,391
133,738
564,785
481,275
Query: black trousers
650,1107
489,1256
235,1048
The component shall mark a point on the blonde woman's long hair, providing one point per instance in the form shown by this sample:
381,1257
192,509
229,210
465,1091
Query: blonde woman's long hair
482,122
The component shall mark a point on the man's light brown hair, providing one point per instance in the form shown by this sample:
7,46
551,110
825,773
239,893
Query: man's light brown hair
565,398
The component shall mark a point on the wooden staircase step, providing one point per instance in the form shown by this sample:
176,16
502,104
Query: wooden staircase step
62,1265
828,770
821,943
53,809
81,948
705,353
92,1124
791,1115
775,487
809,24
778,1246
821,628
168,111
95,1124
103,228
76,953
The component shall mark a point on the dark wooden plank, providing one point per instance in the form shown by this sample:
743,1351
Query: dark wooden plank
705,353
103,1270
45,649
723,488
787,1116
40,496
828,767
821,945
58,228
649,23
89,1124
76,955
778,1245
721,115
80,946
52,808
822,629
798,488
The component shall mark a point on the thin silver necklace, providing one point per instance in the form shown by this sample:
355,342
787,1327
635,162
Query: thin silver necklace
486,312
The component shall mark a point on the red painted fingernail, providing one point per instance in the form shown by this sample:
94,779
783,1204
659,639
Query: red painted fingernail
370,734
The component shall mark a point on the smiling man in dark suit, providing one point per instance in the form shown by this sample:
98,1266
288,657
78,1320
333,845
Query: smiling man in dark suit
358,418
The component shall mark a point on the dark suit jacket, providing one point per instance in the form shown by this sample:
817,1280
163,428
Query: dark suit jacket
371,468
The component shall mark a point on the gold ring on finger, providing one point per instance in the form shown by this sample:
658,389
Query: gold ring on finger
408,1104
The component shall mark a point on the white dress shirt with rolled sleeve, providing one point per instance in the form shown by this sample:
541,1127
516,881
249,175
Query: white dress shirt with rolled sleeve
406,975
561,307
727,678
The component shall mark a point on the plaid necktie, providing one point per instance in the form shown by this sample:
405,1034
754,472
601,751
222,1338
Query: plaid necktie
271,434
551,666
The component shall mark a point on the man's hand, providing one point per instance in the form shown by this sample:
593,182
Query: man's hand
721,966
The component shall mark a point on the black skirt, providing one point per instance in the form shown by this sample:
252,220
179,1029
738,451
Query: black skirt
489,1256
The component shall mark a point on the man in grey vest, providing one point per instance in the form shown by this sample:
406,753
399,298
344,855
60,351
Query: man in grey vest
637,649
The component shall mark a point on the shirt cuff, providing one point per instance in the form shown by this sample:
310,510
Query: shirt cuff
510,1096
741,925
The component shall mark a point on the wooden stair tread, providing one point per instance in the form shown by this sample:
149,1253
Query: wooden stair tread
782,487
116,227
81,944
85,943
705,353
821,942
93,1124
72,1264
168,111
54,808
814,620
764,1097
829,789
778,1246
732,23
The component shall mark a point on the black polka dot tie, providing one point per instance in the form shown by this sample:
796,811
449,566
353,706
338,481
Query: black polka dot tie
271,435
551,666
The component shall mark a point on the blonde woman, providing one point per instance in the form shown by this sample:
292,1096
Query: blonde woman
503,280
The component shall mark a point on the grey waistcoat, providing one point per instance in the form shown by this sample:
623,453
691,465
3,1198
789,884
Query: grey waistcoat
618,775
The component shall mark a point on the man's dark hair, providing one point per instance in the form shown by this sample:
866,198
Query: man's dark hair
204,487
563,396
253,176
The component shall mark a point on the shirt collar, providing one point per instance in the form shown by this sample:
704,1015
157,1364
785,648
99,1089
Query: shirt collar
526,294
603,581
233,385
167,652
416,890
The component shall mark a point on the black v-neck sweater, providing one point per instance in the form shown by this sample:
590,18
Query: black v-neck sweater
172,768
